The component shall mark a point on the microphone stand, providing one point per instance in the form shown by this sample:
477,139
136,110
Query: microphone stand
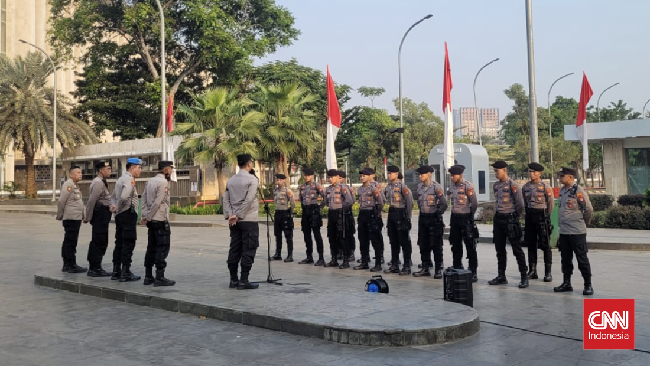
267,210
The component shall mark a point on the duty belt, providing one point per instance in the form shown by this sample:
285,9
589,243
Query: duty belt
431,214
367,212
309,207
536,211
158,222
282,211
396,209
512,214
453,214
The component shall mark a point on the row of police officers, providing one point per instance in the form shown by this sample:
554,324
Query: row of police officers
534,200
123,202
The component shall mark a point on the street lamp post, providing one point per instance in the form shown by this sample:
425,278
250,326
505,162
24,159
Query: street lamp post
643,113
478,123
550,121
53,119
399,66
601,94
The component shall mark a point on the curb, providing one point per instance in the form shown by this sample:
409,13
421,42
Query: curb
387,337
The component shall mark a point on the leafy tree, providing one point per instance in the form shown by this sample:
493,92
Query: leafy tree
422,131
26,112
371,93
207,42
218,126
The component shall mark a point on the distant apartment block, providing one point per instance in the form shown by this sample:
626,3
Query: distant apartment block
465,122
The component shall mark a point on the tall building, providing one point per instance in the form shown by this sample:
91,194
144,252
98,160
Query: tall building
465,122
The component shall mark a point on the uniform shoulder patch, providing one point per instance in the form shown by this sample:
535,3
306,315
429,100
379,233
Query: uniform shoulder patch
132,182
470,191
406,190
514,188
166,189
549,191
581,197
439,191
69,188
345,191
376,192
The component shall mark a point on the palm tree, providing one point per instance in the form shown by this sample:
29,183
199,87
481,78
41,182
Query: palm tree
290,131
218,126
26,111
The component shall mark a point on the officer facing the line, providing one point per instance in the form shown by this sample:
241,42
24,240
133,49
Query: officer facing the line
350,225
574,216
371,203
311,219
432,203
155,214
509,207
240,208
98,212
70,209
125,205
462,228
337,199
283,219
538,197
400,200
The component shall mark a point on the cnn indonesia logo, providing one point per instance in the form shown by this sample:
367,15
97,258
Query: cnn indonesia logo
608,324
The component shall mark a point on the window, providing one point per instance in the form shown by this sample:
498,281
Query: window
3,26
481,182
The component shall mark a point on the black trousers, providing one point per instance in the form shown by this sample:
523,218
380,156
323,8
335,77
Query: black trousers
125,237
461,231
244,241
577,244
398,236
70,239
158,244
537,235
506,226
369,231
350,230
99,241
283,223
312,222
430,233
336,233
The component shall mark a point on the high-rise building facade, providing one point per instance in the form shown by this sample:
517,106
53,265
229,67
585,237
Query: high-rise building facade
466,126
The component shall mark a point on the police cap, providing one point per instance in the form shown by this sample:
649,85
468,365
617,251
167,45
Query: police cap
424,169
134,161
333,173
500,164
281,176
102,164
457,170
536,167
392,169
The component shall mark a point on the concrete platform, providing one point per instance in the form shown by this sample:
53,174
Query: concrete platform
338,315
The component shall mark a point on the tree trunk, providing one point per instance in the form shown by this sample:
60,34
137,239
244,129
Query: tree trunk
221,183
30,182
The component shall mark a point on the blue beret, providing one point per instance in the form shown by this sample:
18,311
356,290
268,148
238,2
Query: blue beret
134,161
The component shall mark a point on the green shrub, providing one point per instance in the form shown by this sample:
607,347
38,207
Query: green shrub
647,196
598,219
215,209
628,217
488,211
631,200
11,187
601,202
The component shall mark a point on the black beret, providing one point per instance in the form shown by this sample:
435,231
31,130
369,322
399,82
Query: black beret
333,173
500,164
281,176
400,176
457,169
392,169
366,171
424,169
307,171
569,171
342,174
165,163
243,159
536,167
102,164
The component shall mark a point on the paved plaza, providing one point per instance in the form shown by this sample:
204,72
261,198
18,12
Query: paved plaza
534,326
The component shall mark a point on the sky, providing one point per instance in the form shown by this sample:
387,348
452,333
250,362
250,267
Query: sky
359,39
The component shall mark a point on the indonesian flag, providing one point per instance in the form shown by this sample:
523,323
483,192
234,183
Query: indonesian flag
446,108
170,112
333,122
385,169
581,123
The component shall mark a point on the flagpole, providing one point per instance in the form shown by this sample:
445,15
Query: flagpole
532,100
163,127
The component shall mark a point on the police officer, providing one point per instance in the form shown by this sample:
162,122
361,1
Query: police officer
432,203
400,200
241,209
70,209
538,197
371,203
574,216
462,228
155,214
98,213
283,220
125,202
509,206
337,199
311,219
350,225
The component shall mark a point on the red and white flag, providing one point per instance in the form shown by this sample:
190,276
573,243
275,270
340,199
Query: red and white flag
170,113
333,122
581,123
446,108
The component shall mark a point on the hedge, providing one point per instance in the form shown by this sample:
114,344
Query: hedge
601,202
623,217
631,200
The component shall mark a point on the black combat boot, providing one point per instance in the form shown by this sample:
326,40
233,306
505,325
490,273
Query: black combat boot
278,251
234,280
161,280
244,284
406,269
588,290
289,256
97,271
74,268
345,265
363,265
117,272
424,272
438,273
352,258
474,275
66,267
524,280
334,262
307,260
378,262
127,275
532,271
148,276
547,273
391,262
392,269
339,256
565,286
320,262
500,279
